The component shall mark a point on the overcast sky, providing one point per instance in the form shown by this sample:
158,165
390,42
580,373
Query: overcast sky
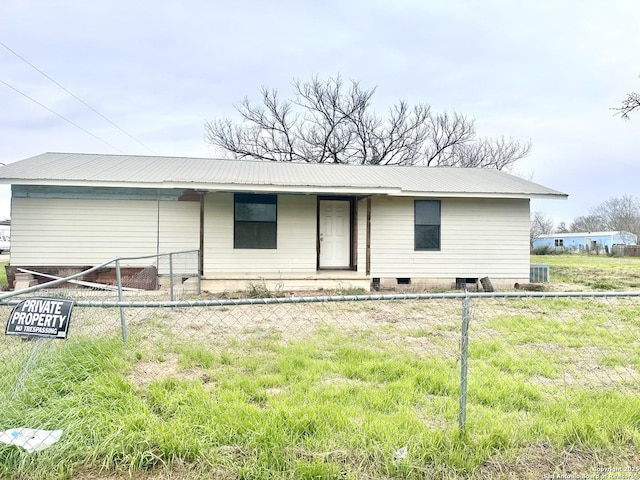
547,71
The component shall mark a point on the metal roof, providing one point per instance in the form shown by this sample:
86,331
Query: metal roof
245,175
586,234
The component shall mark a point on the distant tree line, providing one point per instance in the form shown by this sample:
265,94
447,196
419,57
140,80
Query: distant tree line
615,214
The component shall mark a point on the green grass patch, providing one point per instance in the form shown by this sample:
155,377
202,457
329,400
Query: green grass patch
331,406
597,272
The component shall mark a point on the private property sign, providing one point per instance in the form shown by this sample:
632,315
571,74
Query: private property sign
41,317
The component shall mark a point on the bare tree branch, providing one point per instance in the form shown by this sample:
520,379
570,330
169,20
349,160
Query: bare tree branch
629,104
541,224
495,153
328,123
448,131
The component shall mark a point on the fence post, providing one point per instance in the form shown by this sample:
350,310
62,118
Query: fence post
199,273
171,275
123,324
464,357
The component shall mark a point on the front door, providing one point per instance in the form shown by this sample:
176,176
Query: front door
335,233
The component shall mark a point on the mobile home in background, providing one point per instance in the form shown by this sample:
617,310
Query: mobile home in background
5,235
585,241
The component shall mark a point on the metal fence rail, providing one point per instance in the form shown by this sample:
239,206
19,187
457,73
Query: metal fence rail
476,350
166,275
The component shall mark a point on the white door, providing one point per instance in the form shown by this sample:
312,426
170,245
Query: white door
335,237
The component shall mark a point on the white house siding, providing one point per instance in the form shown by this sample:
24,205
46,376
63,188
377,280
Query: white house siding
57,231
479,237
179,226
296,238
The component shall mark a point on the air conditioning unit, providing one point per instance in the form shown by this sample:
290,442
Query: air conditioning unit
538,273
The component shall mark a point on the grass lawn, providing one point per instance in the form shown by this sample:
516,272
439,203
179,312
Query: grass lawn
553,389
329,407
597,272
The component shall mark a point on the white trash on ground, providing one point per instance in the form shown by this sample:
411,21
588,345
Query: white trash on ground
32,440
400,454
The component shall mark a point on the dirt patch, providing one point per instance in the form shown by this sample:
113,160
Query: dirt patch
145,371
595,376
544,461
344,382
176,471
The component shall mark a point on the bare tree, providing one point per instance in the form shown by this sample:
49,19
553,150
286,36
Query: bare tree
587,223
620,214
562,228
326,122
541,224
630,103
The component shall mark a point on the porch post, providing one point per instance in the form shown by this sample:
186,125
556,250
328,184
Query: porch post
368,260
201,254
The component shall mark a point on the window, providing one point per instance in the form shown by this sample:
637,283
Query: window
255,220
427,225
559,242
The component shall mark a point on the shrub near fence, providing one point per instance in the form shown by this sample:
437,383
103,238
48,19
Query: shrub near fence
375,386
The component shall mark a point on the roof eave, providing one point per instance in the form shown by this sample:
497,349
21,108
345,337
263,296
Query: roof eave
522,195
211,187
293,189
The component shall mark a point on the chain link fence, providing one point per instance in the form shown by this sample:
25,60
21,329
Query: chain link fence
170,275
544,365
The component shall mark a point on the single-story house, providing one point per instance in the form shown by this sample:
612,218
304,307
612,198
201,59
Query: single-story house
585,241
297,225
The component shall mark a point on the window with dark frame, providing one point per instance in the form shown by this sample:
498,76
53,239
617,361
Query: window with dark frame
559,242
427,224
255,219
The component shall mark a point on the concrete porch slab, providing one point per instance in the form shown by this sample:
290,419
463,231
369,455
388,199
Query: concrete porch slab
220,282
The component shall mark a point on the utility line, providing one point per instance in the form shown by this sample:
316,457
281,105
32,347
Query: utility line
74,96
62,117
